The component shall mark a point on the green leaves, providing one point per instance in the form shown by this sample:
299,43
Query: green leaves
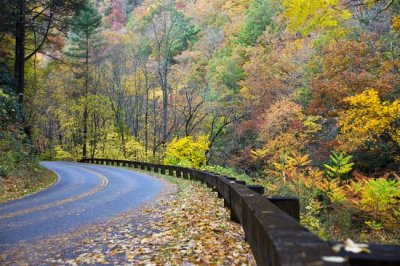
84,32
380,195
86,20
339,166
258,16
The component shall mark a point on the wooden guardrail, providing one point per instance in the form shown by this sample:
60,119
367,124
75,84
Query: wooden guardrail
271,225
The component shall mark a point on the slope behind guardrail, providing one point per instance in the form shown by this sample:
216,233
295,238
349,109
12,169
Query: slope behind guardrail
271,225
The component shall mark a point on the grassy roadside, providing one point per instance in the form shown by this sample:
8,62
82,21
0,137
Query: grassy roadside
25,183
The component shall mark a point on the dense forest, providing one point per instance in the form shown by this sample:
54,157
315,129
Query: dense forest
301,96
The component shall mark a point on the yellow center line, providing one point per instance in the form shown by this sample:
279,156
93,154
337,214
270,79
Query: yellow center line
103,183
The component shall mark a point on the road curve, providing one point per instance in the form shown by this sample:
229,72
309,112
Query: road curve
83,194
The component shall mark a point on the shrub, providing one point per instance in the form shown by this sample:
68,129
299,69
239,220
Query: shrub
187,152
62,155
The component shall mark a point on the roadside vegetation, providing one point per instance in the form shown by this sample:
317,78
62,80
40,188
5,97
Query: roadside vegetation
20,172
300,96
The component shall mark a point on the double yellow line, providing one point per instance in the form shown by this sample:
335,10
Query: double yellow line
103,183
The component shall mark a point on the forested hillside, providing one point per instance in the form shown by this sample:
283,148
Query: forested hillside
300,95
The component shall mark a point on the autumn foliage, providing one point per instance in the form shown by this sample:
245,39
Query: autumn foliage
301,95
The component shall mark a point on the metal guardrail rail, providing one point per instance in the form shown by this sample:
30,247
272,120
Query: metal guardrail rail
271,225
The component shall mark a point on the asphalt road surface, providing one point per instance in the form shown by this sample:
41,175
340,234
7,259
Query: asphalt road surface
82,195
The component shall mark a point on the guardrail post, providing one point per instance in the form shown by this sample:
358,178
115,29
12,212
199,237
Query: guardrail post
142,166
193,174
210,179
148,167
170,171
162,167
290,205
257,188
185,173
156,167
178,171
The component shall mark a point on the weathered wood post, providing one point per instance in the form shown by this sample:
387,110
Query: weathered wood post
156,167
162,167
257,188
178,171
290,205
185,173
170,171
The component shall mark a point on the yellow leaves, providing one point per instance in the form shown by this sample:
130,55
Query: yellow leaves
307,15
396,23
333,190
311,124
367,118
112,147
298,160
187,152
62,155
258,154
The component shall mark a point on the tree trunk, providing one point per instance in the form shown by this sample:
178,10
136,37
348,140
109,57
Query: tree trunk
19,63
85,110
146,114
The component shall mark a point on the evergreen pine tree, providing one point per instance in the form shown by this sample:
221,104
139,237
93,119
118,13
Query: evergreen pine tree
83,42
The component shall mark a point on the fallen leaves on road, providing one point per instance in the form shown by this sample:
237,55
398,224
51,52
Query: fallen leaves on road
187,228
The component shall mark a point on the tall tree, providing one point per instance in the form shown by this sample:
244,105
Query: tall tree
170,33
29,24
83,42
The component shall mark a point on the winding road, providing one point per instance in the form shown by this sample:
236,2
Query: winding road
82,195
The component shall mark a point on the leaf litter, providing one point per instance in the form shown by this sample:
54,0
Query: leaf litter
185,225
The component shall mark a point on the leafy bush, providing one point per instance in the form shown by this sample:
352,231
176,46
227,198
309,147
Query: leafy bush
47,155
380,198
187,152
62,155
